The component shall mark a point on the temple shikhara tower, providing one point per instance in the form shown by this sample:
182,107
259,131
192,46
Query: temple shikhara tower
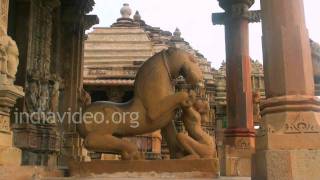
243,120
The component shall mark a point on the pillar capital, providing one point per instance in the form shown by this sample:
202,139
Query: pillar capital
90,20
232,5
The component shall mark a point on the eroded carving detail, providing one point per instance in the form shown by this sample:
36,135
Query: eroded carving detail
300,125
4,124
242,143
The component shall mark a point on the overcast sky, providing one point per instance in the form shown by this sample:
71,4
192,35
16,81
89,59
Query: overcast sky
193,18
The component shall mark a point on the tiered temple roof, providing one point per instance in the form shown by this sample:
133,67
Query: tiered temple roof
114,54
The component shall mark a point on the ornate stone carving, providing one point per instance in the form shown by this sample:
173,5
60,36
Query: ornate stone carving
9,60
301,125
239,10
242,143
198,143
255,16
4,124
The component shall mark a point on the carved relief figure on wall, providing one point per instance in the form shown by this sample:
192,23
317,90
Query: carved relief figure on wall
9,58
197,143
256,106
54,90
32,96
3,57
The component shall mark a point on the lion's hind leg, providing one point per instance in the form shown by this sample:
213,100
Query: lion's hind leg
100,142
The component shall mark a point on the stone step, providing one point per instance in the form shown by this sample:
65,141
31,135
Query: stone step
147,176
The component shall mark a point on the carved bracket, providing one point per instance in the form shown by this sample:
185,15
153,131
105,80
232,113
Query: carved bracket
220,18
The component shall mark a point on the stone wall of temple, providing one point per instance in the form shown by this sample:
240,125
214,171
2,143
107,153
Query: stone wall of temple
49,37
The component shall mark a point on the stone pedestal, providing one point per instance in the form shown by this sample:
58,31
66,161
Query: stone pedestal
208,168
9,155
286,164
288,142
238,148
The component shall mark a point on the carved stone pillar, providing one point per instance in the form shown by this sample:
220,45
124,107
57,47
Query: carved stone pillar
288,145
4,8
36,137
239,135
9,93
74,24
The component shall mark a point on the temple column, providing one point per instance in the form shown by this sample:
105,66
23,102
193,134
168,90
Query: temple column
9,93
74,24
288,144
239,135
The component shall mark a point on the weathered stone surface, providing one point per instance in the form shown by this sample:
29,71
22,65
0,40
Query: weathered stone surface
207,167
4,8
9,155
286,165
16,172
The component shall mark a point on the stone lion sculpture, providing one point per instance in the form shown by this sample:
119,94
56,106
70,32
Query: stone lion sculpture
152,107
197,143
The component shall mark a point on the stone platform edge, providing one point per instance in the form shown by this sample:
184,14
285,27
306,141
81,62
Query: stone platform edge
206,167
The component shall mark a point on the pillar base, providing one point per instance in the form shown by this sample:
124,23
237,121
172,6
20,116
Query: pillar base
288,145
9,93
10,156
290,123
286,165
238,148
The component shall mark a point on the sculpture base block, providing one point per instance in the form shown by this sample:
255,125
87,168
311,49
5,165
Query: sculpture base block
286,164
200,168
16,172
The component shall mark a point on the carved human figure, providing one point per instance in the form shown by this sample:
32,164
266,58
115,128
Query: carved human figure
197,143
3,52
13,59
203,108
44,98
54,97
9,57
32,96
3,60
